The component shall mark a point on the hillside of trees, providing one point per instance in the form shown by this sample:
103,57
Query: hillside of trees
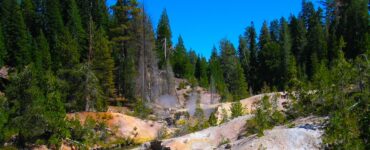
66,56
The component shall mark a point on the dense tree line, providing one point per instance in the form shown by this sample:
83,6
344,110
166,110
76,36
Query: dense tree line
69,56
80,55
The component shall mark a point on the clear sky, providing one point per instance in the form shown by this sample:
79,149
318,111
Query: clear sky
203,23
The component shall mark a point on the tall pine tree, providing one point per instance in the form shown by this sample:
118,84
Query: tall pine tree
102,62
216,77
251,36
163,34
74,25
42,52
19,48
244,56
201,68
232,70
123,12
287,69
3,52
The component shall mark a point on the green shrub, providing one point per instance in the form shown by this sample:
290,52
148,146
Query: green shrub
213,119
182,85
237,109
141,110
266,117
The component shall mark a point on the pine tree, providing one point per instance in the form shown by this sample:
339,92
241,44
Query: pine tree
244,56
190,65
53,20
29,15
216,75
274,30
54,30
307,13
163,34
42,54
232,71
353,26
101,14
316,48
14,28
74,25
90,91
123,12
102,62
152,71
179,59
237,109
201,68
264,37
288,66
270,59
251,36
4,110
97,9
213,119
3,52
299,40
67,55
37,108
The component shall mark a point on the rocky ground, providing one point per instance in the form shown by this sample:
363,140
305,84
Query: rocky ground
304,133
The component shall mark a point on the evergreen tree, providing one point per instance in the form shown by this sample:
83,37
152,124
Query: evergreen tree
190,65
251,36
233,73
3,117
244,56
37,109
53,20
299,40
179,59
332,24
101,14
216,75
288,66
163,34
67,54
97,9
3,52
237,109
14,28
148,63
102,62
42,54
307,13
316,50
54,30
201,73
270,60
212,121
275,30
90,91
124,11
264,37
353,26
74,25
29,15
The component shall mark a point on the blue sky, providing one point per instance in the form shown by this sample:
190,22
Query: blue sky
203,23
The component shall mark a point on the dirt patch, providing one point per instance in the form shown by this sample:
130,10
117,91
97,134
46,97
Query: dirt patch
124,126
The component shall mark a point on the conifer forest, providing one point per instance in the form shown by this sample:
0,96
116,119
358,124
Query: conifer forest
81,74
